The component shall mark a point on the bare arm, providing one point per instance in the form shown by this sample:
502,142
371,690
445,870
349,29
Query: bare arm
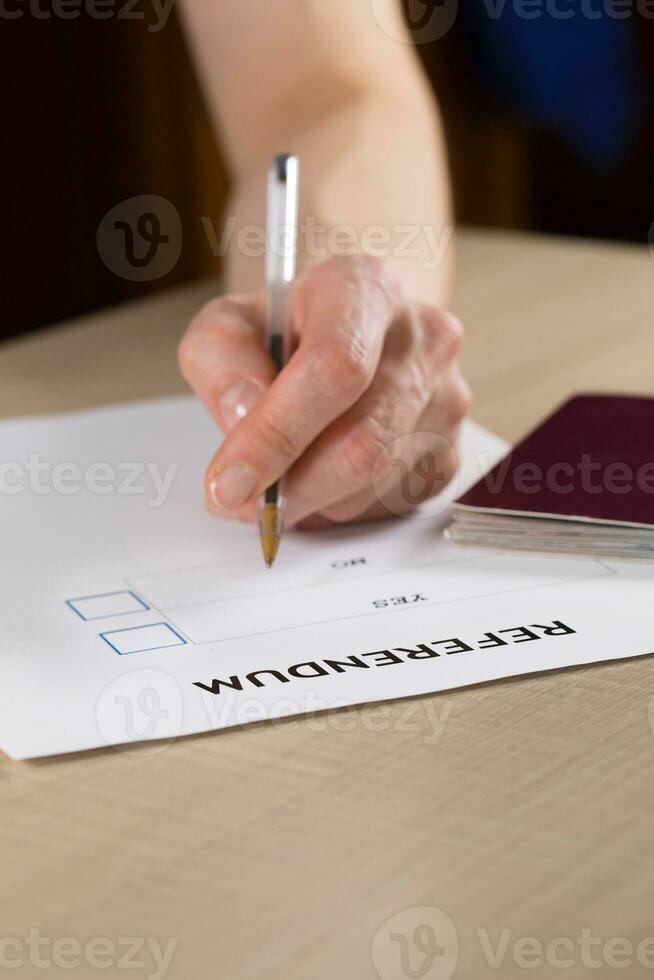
373,387
324,81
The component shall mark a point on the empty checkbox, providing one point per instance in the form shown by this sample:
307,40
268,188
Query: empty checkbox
140,639
107,604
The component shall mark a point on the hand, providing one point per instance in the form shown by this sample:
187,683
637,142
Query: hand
370,367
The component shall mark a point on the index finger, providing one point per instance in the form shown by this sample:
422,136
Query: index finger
341,312
223,358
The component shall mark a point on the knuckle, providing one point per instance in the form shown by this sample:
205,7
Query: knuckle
225,318
209,317
452,335
369,267
379,280
211,310
187,353
459,403
223,324
363,453
343,367
323,281
443,333
379,270
199,333
221,307
279,441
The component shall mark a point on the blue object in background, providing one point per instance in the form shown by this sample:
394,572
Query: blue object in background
578,76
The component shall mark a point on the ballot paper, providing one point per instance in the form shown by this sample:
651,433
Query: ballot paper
129,614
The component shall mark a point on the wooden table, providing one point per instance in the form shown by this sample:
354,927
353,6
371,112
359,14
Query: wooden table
278,851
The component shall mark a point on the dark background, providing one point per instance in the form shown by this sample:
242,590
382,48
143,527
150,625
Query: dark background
96,111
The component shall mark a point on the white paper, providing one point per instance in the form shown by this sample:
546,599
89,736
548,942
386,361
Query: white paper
121,595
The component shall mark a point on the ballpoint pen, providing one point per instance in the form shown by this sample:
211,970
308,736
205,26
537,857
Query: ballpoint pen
281,260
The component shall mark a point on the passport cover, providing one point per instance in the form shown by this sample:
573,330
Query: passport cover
592,460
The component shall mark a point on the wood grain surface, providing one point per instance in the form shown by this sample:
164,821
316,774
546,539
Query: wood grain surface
279,851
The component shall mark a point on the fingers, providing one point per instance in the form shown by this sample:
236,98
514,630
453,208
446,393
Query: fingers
223,358
420,473
423,464
370,370
342,311
356,452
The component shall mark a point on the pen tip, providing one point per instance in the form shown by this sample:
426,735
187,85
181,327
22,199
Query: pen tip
270,546
270,531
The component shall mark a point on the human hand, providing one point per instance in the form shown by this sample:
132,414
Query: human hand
371,366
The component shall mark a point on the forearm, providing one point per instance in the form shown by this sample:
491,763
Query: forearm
324,82
374,180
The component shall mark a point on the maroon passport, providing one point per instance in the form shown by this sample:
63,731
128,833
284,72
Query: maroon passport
592,460
580,484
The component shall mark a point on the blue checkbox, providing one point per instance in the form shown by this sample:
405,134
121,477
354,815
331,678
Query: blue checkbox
141,639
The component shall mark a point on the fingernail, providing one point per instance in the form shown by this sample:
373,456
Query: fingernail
232,488
237,402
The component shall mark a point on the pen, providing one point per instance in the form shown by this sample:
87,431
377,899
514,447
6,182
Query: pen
281,261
